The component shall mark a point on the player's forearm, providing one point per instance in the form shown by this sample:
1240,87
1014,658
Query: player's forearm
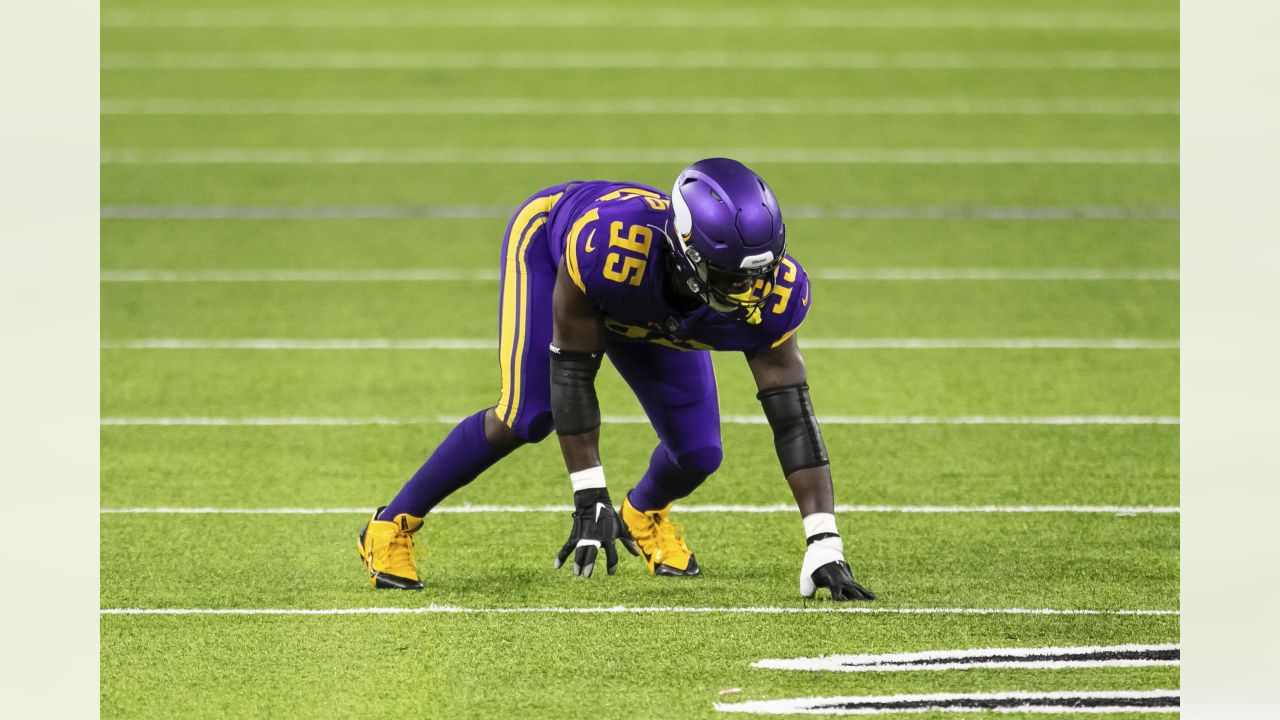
581,452
801,450
575,409
812,490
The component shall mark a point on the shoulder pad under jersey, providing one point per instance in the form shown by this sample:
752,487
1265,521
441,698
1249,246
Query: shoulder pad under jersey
786,308
610,244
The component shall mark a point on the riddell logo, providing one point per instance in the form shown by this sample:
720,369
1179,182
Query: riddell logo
752,262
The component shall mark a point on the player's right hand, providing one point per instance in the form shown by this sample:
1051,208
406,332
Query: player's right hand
824,567
595,525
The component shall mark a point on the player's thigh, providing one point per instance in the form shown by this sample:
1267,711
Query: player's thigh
677,390
527,280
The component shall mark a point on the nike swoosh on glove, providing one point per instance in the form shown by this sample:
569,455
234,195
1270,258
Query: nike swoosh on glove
596,526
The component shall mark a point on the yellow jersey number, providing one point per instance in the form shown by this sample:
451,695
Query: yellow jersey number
627,268
783,292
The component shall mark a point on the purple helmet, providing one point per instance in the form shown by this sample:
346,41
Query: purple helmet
730,237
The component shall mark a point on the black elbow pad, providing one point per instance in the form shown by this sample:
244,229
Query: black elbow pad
574,406
795,429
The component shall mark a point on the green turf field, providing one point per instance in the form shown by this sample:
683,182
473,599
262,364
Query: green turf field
302,208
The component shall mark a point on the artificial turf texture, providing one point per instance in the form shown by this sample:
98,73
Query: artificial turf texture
653,664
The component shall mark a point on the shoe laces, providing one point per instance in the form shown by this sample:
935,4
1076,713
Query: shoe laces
400,555
670,535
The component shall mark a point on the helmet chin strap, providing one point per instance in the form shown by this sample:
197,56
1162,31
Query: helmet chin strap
698,286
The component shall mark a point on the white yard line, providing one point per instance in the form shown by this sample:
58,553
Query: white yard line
1058,702
626,610
284,275
290,344
891,18
1018,658
479,344
641,420
778,508
604,60
460,275
636,156
1033,274
674,106
471,212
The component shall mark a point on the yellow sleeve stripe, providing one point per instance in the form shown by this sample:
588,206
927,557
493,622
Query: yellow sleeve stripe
785,337
571,247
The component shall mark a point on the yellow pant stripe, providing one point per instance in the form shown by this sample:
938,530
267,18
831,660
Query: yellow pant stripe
512,329
520,335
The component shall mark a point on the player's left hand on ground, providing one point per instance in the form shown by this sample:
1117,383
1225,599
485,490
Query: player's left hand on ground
595,526
824,567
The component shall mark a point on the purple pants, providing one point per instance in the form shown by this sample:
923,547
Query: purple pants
676,388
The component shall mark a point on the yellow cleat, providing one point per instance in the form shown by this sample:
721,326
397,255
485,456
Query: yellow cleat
660,541
386,546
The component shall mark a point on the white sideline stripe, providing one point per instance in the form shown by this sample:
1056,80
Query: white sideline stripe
457,275
949,274
1031,702
641,106
624,610
578,17
641,420
471,212
638,156
374,275
638,60
1028,658
778,508
477,344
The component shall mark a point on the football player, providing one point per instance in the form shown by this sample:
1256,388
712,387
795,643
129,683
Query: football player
655,282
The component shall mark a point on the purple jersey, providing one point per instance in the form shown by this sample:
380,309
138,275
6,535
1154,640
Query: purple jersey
610,236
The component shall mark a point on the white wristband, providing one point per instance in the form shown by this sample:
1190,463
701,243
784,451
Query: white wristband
587,479
819,523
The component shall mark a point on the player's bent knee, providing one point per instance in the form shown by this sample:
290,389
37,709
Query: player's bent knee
700,461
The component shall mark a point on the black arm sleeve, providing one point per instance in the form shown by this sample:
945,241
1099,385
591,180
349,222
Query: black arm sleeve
795,429
574,406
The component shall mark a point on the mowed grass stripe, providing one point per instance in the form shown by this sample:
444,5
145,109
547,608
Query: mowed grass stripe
1123,510
809,344
911,560
604,60
362,466
459,275
269,213
516,663
207,421
766,82
635,156
397,386
433,609
982,42
404,310
757,107
371,237
573,137
843,184
915,17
